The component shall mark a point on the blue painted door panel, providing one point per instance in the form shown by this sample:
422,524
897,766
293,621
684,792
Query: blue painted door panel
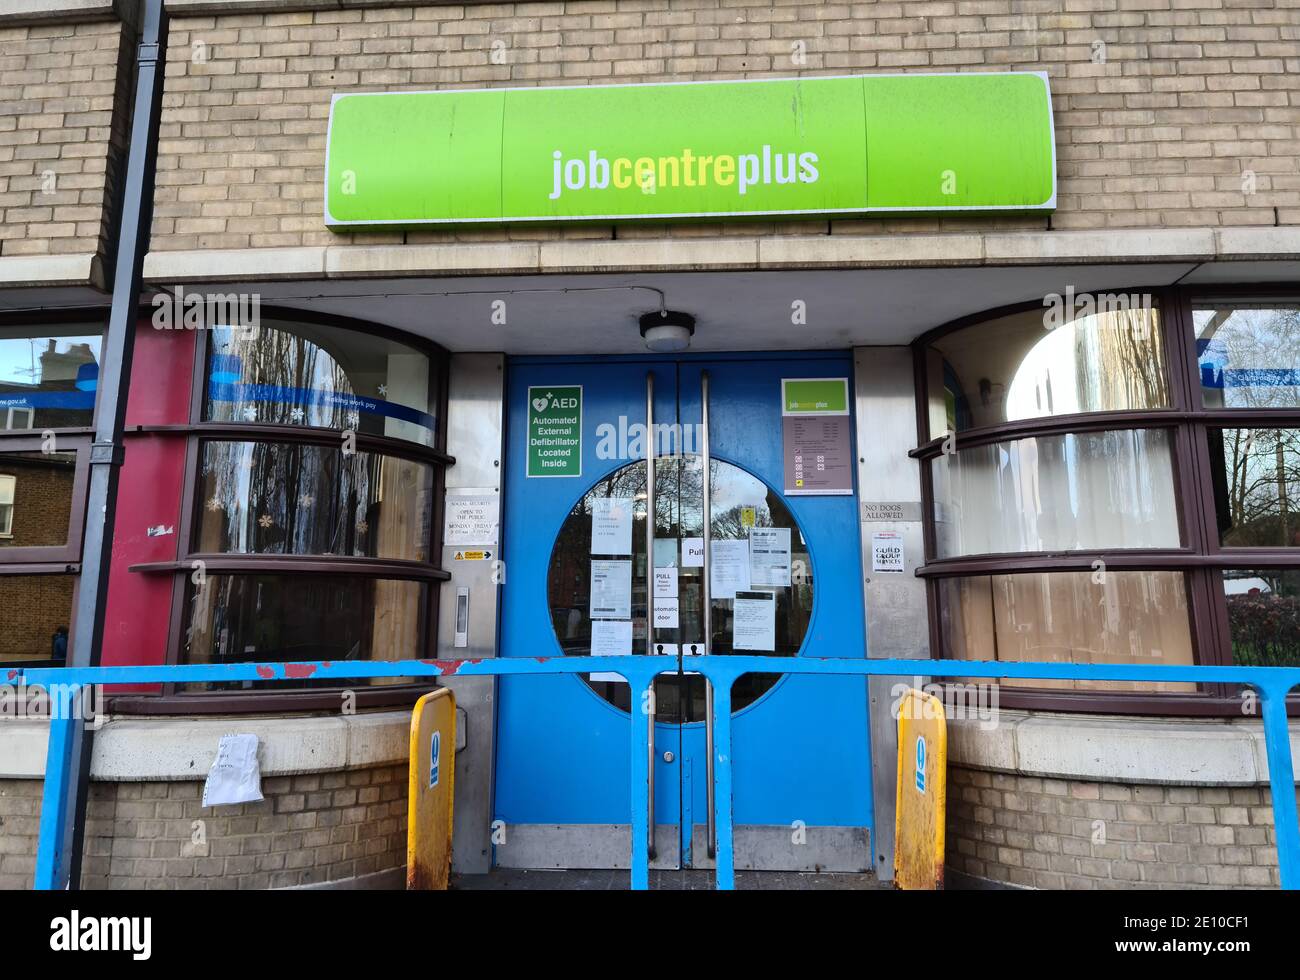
801,750
562,751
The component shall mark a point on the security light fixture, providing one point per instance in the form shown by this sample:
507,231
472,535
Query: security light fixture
666,331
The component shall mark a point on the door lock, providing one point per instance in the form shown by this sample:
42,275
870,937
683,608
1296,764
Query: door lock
668,757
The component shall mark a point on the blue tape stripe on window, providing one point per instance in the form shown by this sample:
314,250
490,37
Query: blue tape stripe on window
49,399
223,391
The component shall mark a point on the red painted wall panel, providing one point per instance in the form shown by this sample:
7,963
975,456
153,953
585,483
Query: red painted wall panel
151,488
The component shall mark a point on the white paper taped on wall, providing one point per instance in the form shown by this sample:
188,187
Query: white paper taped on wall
235,776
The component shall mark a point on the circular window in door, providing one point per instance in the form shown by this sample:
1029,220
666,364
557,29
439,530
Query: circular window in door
761,577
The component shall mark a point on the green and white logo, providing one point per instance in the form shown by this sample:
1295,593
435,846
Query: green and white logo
802,146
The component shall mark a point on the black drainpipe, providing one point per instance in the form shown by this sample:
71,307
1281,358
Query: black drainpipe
107,452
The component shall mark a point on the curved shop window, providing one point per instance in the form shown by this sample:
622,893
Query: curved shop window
1116,483
304,374
741,503
319,468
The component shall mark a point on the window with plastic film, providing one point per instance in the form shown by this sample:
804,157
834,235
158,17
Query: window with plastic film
1068,492
1102,355
1098,617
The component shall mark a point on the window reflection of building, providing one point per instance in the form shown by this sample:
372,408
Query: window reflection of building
48,380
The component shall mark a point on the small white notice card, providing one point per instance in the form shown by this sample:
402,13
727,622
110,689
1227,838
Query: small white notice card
666,582
610,638
755,621
665,552
729,569
611,526
692,552
611,589
235,776
886,551
769,556
665,614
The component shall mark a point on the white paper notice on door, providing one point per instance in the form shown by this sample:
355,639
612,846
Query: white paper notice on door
754,625
666,582
728,569
769,556
665,614
665,552
611,589
611,526
692,552
610,638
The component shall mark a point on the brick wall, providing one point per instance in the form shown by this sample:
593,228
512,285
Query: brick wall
1192,95
309,829
60,138
32,607
1051,833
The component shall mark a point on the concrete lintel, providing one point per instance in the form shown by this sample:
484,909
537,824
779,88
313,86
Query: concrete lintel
1137,244
578,256
1257,243
469,258
867,251
76,269
1173,751
140,749
224,265
650,254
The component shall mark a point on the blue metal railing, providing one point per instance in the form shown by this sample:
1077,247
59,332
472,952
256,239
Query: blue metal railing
1272,683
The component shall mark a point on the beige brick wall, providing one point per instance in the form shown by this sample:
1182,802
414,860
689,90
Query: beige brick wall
1056,833
309,829
60,138
1191,96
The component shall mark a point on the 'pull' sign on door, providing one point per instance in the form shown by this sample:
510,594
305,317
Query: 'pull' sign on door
804,146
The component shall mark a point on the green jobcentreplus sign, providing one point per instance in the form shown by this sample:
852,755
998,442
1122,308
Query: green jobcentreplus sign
555,430
858,144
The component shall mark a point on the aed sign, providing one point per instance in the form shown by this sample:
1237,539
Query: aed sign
555,430
803,146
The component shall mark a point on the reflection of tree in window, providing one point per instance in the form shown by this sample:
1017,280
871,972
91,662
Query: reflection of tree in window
679,494
1257,479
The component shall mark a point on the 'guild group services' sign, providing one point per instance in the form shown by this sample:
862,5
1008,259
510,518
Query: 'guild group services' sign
808,146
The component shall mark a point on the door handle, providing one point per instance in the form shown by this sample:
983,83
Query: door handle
649,587
708,612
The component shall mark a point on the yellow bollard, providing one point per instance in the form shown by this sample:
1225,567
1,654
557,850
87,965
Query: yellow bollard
922,792
431,791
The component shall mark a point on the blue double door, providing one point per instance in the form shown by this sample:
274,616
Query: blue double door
583,576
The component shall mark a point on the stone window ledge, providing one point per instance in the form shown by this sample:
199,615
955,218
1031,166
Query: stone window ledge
136,749
1174,751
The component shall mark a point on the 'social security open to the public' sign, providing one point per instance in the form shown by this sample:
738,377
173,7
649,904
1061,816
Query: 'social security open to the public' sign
806,146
